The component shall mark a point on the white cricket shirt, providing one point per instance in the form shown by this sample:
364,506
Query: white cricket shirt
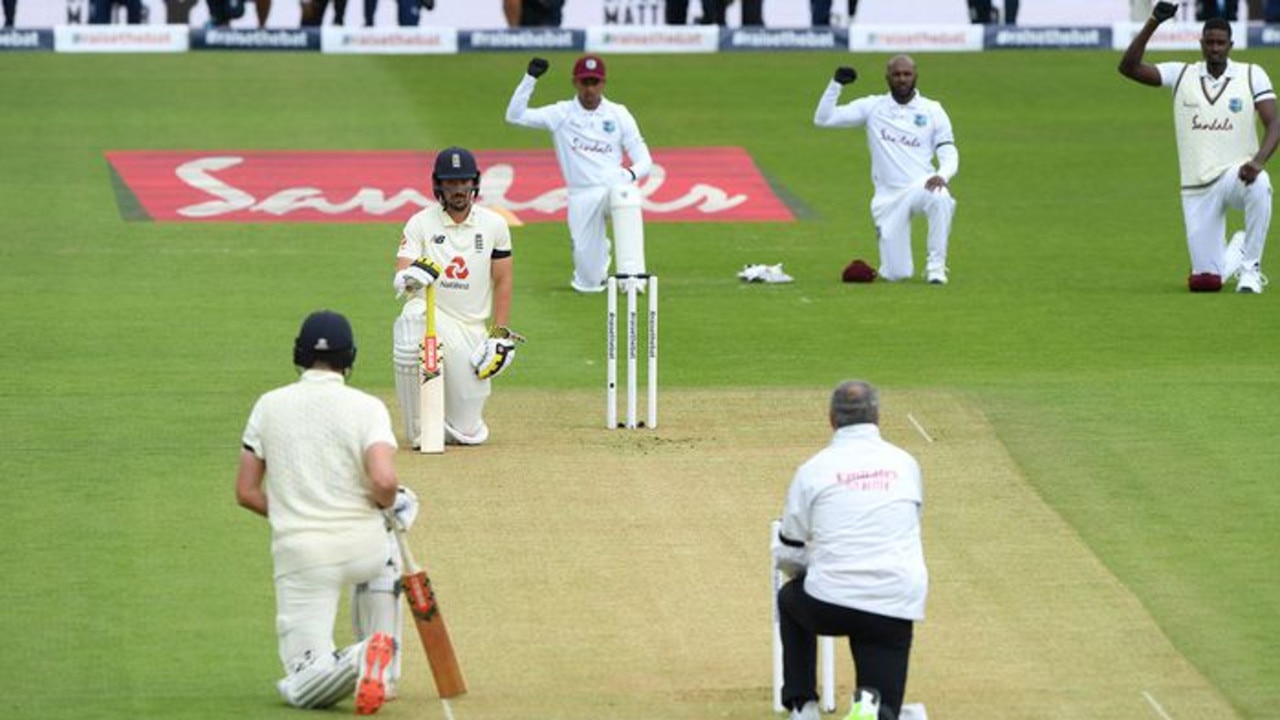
856,505
1214,118
903,138
464,251
313,435
589,143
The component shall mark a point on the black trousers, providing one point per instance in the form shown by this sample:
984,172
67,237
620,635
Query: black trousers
100,11
713,12
881,646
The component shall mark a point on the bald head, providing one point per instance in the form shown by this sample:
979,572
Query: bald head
900,61
900,74
855,402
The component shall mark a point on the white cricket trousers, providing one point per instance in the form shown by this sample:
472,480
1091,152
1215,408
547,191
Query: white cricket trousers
588,207
892,210
307,604
1205,212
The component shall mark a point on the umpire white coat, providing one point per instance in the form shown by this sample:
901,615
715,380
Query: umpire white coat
856,506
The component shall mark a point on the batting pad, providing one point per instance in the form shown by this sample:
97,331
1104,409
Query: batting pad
406,349
376,607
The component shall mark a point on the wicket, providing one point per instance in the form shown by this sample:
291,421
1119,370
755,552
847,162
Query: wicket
633,347
826,645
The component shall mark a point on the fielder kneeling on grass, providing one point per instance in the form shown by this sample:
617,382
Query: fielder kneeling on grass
465,251
850,537
317,462
1217,106
905,132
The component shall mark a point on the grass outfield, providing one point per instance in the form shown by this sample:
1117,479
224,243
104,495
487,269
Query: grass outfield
1134,411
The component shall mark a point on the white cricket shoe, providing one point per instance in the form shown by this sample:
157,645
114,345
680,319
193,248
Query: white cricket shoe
937,276
1233,257
1251,279
808,712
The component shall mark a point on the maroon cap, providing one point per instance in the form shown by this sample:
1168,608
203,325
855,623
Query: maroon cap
588,66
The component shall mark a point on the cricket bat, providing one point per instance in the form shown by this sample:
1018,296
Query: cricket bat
431,392
429,620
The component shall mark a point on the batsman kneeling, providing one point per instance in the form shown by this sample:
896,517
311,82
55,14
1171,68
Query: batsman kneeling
455,267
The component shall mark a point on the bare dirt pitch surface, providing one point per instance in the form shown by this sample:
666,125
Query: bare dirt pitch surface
624,575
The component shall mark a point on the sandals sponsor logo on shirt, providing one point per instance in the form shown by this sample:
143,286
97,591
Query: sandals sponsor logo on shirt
686,185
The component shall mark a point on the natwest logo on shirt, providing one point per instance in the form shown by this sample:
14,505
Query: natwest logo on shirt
457,269
686,184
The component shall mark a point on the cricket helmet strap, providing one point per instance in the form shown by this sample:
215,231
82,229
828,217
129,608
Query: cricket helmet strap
455,163
325,336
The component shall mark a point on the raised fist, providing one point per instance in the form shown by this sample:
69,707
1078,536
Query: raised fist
845,75
1164,10
537,67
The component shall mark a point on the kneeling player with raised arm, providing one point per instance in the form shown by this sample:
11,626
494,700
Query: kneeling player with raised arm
905,131
464,251
593,136
1217,106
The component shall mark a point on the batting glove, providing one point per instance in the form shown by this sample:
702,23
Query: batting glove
537,67
845,75
496,353
406,507
420,274
1163,11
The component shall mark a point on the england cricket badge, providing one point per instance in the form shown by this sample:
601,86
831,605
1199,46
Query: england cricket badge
479,242
1236,105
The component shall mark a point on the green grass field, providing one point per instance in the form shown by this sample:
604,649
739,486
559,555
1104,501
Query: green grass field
1138,413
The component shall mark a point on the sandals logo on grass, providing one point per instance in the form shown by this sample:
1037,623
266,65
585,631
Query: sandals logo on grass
686,185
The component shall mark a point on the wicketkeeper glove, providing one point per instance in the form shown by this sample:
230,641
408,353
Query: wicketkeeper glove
420,274
1164,10
497,353
845,75
537,67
